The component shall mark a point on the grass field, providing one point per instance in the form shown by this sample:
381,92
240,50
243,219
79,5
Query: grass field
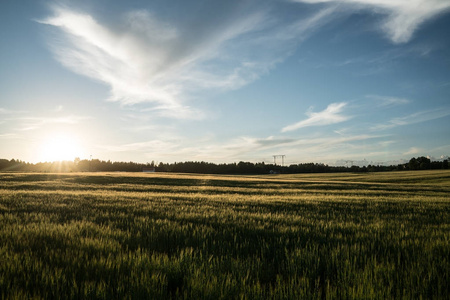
159,236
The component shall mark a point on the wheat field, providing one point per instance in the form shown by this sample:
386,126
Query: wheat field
161,235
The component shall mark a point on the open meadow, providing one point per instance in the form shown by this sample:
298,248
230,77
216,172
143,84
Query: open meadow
161,235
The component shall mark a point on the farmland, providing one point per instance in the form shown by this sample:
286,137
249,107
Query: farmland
159,236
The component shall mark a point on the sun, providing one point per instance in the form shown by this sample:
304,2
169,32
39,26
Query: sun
58,148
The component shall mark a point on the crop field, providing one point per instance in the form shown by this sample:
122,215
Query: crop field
181,236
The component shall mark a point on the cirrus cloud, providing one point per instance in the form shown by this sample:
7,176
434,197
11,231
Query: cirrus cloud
331,115
403,17
417,117
144,59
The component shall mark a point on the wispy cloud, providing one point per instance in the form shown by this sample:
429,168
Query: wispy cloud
8,135
403,18
5,111
413,151
253,148
442,151
244,148
146,59
391,55
176,111
388,101
23,121
31,123
385,61
331,115
153,146
414,118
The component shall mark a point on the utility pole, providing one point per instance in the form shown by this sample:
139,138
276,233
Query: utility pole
278,156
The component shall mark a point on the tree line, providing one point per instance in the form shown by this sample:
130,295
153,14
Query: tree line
96,165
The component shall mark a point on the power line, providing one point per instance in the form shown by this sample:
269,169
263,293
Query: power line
278,156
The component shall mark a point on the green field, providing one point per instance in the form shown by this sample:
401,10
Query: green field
159,236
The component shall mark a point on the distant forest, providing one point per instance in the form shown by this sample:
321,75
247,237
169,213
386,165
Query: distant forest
96,165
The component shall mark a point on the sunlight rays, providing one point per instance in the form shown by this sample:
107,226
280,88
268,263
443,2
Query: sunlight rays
59,147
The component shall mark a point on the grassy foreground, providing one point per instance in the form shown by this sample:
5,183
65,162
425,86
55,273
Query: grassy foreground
159,236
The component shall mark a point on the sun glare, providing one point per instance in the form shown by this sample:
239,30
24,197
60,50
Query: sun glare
59,148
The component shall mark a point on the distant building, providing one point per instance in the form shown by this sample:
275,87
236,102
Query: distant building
148,170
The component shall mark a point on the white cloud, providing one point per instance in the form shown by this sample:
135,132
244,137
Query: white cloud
148,60
414,118
169,148
153,146
389,101
385,144
22,120
145,59
123,60
31,123
176,111
413,151
254,149
5,111
8,135
242,148
331,115
403,17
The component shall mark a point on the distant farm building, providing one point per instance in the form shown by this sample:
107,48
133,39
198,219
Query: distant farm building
148,170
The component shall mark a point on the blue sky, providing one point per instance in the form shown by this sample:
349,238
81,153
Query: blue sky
225,81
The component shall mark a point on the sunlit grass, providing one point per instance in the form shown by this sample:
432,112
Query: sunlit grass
122,235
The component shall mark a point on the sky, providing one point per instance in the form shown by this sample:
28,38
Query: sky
324,81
